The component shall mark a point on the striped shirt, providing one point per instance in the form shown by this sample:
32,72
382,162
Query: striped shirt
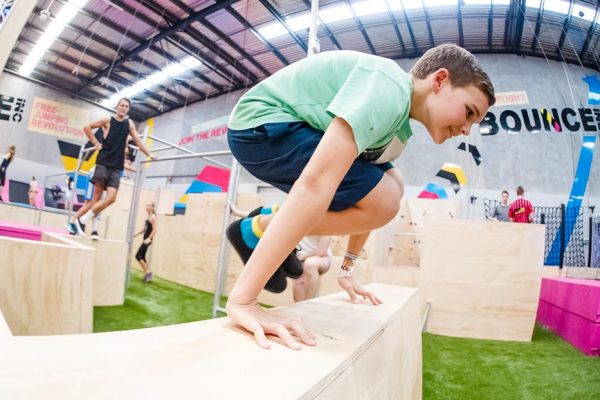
519,210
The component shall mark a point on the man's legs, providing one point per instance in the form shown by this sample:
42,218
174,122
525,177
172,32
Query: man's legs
111,197
95,207
77,224
98,189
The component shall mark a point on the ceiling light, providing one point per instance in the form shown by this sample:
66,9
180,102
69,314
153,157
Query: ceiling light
63,17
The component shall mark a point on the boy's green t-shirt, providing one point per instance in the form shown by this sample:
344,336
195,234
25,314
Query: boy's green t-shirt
371,93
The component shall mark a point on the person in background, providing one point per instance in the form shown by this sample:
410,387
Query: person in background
315,254
501,210
521,210
89,195
109,163
56,191
130,155
69,193
6,160
33,190
149,232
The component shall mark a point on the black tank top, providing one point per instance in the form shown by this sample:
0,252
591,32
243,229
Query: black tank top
112,154
147,229
5,162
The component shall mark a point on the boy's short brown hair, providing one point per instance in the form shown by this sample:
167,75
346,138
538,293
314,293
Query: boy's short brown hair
463,67
520,191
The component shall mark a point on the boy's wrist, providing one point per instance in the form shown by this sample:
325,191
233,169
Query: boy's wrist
350,257
346,269
240,303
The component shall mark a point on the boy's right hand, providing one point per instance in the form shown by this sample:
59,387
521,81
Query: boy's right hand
355,289
261,322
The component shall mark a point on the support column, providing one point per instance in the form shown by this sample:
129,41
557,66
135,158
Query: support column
10,31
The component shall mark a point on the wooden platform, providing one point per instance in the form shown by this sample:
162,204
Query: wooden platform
482,278
45,288
25,231
363,352
110,264
113,224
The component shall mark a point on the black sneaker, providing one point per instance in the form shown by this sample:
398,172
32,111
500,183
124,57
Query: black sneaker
79,227
293,266
254,212
94,235
277,283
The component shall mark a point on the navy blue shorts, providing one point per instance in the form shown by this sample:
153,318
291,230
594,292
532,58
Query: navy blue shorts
277,153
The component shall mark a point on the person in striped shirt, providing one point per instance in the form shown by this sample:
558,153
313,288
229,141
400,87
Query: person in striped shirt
521,210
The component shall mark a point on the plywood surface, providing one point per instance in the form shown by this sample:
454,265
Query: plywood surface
110,262
44,286
186,247
362,350
483,279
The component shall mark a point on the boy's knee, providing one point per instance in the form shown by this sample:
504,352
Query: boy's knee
311,268
389,205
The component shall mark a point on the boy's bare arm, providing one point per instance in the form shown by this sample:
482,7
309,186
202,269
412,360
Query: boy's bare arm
304,207
357,242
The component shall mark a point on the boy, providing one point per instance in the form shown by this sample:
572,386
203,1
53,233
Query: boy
324,129
109,163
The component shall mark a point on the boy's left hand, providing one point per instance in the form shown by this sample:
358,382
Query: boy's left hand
355,289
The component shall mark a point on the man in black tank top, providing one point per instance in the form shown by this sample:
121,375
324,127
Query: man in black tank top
109,163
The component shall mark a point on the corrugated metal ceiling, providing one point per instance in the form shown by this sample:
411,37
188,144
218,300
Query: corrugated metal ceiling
116,42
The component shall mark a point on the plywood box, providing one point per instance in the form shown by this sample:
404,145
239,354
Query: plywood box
482,278
45,288
363,352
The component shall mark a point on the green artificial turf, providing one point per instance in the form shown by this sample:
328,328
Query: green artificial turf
154,304
546,368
